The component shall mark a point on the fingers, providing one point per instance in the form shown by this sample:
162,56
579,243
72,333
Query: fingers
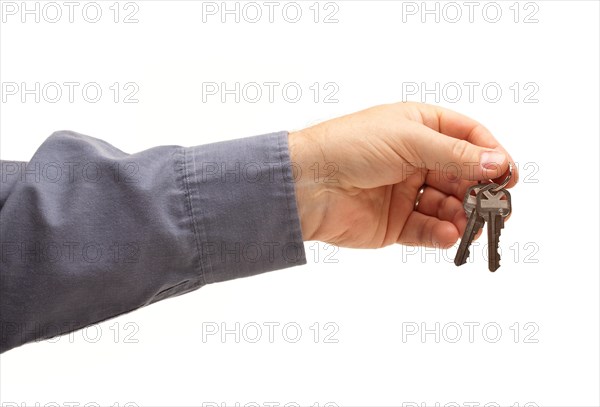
444,207
456,125
455,158
436,204
424,230
437,223
456,188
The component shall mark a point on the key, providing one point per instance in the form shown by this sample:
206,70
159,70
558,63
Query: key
470,199
493,206
474,224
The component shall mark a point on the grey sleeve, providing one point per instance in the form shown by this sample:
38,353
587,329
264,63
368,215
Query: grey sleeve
88,232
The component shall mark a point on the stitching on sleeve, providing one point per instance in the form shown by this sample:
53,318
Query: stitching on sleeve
294,233
188,197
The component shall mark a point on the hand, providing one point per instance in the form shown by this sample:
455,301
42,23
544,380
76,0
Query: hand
357,176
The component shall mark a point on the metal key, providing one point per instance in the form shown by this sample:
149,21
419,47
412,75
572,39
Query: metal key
470,199
474,223
493,206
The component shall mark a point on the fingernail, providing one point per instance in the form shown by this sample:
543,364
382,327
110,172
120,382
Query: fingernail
492,160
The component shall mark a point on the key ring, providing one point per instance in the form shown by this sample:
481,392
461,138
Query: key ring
506,181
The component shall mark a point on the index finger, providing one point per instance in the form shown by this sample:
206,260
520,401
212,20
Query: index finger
459,126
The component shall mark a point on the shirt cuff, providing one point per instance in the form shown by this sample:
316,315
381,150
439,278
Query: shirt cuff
241,198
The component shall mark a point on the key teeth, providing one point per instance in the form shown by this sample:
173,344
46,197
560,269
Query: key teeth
494,267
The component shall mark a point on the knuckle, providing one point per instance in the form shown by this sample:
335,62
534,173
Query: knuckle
460,151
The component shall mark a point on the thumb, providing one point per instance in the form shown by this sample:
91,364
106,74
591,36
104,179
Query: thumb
457,158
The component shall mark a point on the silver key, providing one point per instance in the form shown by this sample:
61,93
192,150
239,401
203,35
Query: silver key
470,199
493,206
474,224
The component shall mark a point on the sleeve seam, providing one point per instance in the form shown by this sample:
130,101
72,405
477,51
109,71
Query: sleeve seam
295,231
190,208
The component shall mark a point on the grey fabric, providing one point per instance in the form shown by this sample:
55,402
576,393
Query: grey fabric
88,232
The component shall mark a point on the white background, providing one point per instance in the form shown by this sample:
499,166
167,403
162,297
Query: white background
549,274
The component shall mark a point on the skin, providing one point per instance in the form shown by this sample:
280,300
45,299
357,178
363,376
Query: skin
357,176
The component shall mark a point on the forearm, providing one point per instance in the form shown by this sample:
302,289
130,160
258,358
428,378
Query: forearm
119,231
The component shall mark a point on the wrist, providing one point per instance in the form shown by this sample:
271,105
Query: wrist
310,198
